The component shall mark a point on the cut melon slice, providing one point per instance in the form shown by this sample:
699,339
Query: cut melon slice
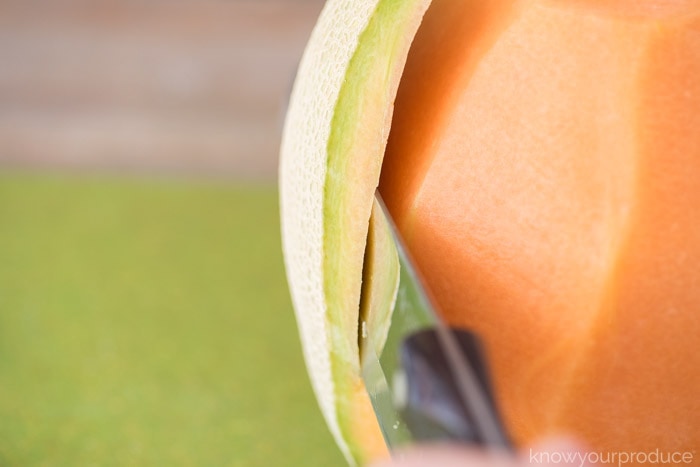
332,149
543,168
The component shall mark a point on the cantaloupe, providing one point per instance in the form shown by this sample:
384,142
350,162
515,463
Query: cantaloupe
543,164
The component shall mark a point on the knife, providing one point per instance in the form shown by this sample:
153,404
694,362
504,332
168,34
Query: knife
428,381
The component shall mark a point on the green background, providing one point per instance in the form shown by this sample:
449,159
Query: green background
148,322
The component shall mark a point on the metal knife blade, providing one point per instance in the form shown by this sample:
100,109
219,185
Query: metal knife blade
429,382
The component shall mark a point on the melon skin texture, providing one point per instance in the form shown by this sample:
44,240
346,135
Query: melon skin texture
544,168
332,148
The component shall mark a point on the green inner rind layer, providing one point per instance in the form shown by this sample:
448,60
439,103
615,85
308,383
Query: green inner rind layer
359,130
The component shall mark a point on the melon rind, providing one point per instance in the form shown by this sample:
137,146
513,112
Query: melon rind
332,148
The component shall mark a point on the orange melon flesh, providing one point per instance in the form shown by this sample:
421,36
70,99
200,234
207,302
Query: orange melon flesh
544,167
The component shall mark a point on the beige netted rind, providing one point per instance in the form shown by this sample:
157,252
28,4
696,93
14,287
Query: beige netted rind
302,175
339,117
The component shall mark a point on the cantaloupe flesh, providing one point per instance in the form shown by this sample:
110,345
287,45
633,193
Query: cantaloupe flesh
544,167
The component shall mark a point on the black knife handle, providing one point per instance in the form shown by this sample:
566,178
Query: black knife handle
431,405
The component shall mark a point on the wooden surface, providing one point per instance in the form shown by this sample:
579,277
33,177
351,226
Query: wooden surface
163,86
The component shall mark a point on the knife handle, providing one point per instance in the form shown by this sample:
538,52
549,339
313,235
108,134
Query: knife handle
430,403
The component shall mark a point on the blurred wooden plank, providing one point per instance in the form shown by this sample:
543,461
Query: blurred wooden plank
182,85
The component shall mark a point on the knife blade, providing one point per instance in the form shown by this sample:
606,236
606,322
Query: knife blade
428,381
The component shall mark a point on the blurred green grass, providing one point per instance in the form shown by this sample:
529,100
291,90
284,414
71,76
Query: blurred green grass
147,322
